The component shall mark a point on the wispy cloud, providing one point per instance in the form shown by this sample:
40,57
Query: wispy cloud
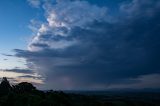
35,3
21,75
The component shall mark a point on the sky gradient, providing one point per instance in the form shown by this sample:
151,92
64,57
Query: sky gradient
81,44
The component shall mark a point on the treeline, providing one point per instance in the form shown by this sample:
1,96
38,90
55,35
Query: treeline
25,94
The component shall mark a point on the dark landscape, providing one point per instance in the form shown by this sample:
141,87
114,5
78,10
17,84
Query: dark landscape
25,94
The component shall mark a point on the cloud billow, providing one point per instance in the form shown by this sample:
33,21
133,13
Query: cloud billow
83,47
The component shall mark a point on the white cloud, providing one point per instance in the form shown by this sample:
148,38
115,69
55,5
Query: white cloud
62,17
77,13
35,3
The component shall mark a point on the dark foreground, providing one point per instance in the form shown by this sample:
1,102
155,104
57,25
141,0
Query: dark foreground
38,98
25,94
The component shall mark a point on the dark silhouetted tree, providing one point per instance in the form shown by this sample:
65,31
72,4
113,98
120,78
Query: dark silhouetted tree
24,87
5,86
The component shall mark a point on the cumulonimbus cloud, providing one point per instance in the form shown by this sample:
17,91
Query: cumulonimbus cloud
81,46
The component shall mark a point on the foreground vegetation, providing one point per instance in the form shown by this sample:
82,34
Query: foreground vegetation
25,94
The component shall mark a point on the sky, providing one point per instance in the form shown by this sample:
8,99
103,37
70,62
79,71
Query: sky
81,44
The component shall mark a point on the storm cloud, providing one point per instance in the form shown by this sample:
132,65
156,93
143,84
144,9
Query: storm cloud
83,46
